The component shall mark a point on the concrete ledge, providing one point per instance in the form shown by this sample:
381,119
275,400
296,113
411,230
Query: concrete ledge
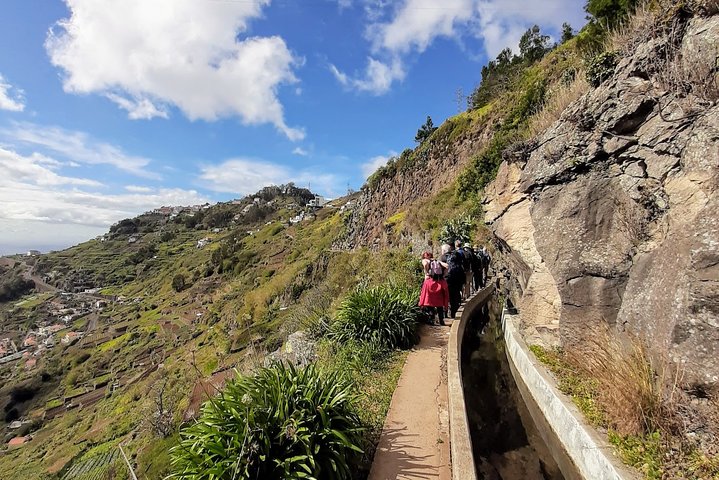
591,455
460,441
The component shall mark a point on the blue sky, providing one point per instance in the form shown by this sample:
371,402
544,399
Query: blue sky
108,109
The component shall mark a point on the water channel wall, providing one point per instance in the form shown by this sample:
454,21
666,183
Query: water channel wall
460,442
579,450
577,447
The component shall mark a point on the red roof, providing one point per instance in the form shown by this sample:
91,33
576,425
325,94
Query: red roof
18,441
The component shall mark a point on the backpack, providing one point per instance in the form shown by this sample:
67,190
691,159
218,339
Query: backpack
435,268
478,261
484,257
468,259
454,260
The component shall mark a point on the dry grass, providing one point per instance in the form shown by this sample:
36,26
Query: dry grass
558,101
642,26
636,392
653,420
690,72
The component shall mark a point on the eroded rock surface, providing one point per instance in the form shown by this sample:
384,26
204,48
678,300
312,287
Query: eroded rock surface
614,217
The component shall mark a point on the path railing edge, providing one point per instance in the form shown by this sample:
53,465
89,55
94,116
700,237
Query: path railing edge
460,441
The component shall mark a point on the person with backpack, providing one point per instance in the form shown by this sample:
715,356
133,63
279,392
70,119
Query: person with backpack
486,260
434,296
455,276
463,261
478,268
469,259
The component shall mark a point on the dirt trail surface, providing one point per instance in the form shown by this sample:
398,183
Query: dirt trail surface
415,438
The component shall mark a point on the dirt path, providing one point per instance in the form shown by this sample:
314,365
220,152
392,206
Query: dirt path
415,437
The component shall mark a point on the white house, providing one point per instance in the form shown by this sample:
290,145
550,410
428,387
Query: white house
317,202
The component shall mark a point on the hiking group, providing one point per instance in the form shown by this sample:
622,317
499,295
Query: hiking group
459,271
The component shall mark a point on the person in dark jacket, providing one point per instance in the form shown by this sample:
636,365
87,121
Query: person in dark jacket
478,269
455,277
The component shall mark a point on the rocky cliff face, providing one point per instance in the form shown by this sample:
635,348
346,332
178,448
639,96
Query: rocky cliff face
436,167
612,216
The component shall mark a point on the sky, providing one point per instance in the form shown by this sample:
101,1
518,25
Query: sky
111,108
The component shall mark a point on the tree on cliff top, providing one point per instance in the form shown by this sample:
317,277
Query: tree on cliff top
425,131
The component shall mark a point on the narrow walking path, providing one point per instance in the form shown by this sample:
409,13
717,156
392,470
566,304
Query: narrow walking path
415,438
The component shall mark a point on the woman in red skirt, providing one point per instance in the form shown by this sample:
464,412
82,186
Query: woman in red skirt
435,293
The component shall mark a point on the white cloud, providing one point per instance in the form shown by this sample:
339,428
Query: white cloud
138,109
377,78
343,4
36,169
77,147
31,191
413,25
371,165
148,55
300,151
137,189
245,176
417,23
501,23
13,102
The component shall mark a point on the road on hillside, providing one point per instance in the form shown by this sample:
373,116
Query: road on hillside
40,284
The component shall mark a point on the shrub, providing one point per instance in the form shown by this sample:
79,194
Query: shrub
601,67
384,315
610,13
282,423
178,282
459,228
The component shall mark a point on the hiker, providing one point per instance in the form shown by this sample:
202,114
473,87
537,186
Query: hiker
478,268
455,277
469,259
463,262
435,292
487,258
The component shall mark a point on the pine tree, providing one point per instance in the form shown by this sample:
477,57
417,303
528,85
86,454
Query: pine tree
425,131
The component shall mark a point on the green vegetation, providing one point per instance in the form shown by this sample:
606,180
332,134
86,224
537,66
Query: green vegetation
643,452
459,228
609,13
13,285
571,382
178,282
615,387
425,131
601,67
374,373
283,422
382,316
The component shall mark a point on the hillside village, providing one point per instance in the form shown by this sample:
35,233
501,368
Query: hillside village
578,164
77,310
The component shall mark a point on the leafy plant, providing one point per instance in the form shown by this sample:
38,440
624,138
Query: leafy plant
459,228
610,13
601,67
282,423
384,315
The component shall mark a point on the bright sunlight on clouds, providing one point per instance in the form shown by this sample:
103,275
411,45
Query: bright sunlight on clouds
10,99
147,56
396,31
